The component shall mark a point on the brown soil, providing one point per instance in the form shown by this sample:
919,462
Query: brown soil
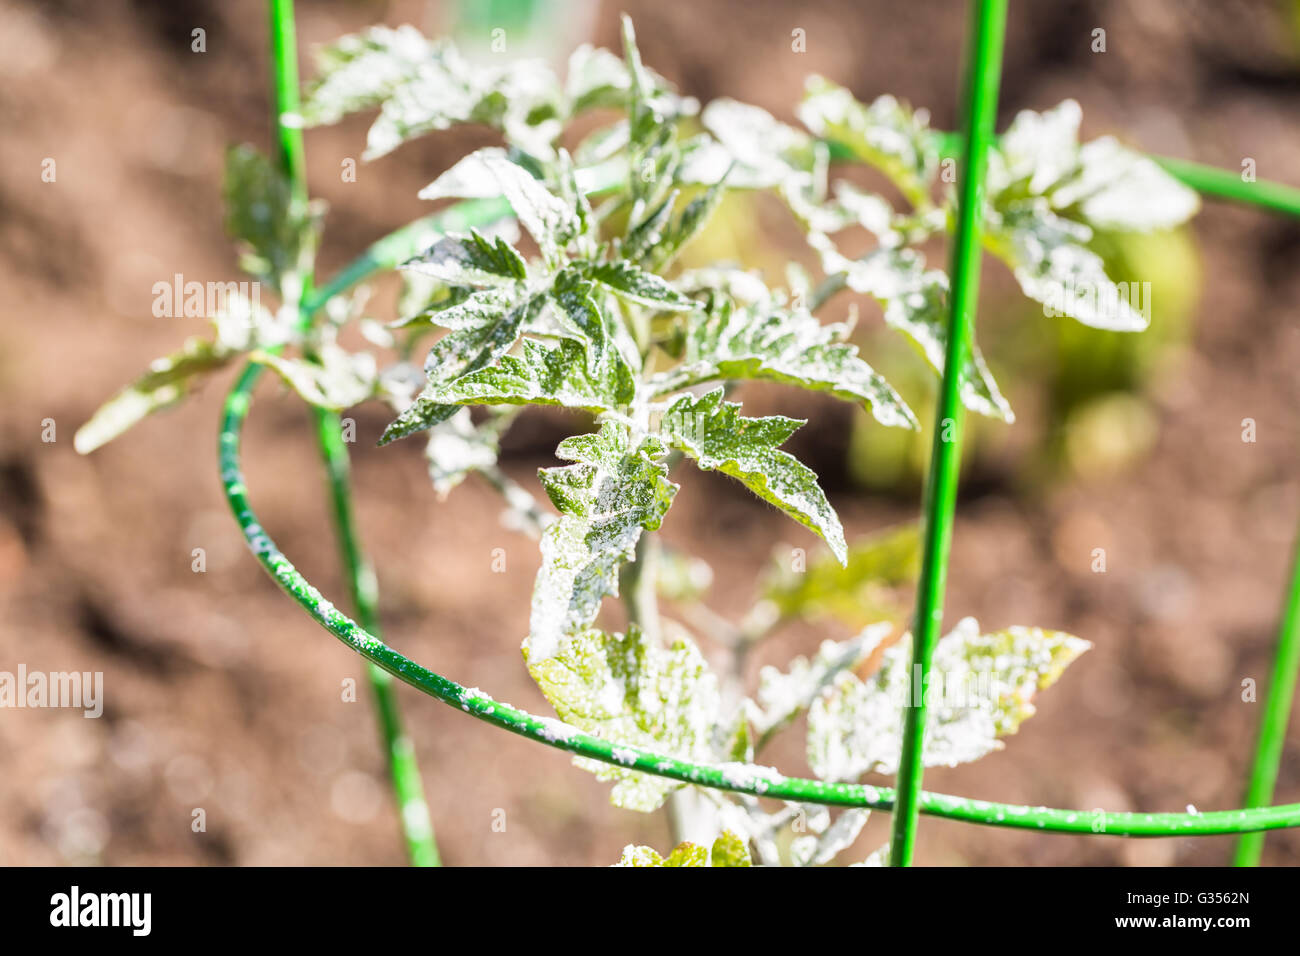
221,694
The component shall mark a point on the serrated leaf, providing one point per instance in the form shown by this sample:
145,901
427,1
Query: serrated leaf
886,134
541,376
632,692
488,174
361,70
713,432
1053,264
915,301
463,309
783,695
277,233
1047,195
461,352
780,344
858,593
581,315
636,285
728,850
615,490
1101,183
472,260
988,683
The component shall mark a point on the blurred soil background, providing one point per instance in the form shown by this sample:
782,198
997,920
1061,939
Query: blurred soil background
221,694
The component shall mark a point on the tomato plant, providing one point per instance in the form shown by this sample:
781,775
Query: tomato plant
556,280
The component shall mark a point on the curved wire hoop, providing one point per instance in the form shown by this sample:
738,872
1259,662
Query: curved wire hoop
740,778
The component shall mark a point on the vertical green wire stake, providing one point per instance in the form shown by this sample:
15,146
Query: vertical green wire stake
402,765
979,104
1277,713
413,811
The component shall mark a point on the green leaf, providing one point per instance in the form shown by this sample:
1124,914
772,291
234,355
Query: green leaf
488,174
779,344
713,432
886,134
615,490
595,78
728,850
361,70
636,285
338,379
783,695
1047,195
461,352
541,376
240,325
633,692
581,315
689,224
277,233
915,301
858,593
472,260
766,152
1101,183
988,683
168,380
1053,264
462,309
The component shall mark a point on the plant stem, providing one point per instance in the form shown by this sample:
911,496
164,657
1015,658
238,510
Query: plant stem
980,101
413,811
637,586
1277,713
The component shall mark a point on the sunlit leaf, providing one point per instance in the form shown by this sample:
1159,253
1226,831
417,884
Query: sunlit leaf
781,344
713,432
987,686
615,490
630,691
858,593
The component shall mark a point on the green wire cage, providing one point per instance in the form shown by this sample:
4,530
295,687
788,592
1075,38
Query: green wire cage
979,100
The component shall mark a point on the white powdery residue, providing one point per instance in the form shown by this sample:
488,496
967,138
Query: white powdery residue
556,731
624,756
750,776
